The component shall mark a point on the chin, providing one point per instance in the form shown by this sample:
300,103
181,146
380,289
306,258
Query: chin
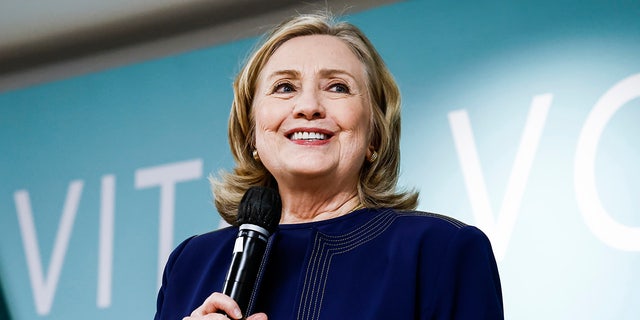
309,170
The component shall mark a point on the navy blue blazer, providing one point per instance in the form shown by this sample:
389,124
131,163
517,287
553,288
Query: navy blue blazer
369,264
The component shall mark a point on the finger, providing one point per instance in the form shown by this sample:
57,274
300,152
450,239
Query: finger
214,316
211,316
258,316
218,302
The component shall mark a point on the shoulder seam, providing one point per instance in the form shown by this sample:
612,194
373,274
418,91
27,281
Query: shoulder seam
453,221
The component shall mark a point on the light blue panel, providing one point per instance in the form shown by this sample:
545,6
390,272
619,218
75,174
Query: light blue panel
114,122
489,60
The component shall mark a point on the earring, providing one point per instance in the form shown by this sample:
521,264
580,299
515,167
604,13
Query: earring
255,154
373,157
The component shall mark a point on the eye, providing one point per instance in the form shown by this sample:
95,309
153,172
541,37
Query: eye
339,88
283,87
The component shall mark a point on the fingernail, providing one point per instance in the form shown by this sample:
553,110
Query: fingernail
237,313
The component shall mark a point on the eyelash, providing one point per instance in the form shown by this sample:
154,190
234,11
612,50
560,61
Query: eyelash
340,85
334,87
281,85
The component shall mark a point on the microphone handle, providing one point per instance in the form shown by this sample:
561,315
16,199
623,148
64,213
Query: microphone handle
247,256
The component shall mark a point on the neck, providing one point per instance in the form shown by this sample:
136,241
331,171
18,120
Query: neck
300,207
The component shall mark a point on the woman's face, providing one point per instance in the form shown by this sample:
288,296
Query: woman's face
312,113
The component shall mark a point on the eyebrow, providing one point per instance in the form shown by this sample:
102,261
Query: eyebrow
324,73
289,73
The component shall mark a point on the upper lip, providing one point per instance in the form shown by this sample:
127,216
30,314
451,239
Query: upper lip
290,132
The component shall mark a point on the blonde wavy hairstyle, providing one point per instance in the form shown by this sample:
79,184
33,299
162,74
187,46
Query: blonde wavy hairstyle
378,179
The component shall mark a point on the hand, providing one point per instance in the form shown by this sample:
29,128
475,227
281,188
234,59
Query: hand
217,302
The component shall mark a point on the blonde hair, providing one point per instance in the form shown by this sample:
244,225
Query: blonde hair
378,179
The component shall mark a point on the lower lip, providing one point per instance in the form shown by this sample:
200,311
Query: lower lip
311,142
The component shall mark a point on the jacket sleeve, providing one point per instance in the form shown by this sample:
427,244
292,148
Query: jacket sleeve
468,283
166,276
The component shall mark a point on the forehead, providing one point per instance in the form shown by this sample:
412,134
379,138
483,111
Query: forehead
314,52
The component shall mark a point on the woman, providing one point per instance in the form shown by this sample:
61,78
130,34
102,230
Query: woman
316,115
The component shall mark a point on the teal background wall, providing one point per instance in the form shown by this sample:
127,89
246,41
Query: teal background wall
4,312
502,128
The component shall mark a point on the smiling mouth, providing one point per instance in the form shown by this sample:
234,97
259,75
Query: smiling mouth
308,136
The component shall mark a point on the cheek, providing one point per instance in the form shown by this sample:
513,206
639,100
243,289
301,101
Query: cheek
356,120
267,123
265,119
357,127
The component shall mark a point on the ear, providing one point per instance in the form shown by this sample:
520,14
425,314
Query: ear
370,152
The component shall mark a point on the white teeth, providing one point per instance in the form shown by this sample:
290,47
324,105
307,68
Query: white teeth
308,136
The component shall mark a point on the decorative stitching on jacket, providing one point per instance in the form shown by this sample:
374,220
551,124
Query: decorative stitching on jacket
324,248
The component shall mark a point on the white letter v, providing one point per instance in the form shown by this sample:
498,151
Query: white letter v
498,229
44,288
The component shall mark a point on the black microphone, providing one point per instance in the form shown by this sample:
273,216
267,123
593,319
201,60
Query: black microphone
258,216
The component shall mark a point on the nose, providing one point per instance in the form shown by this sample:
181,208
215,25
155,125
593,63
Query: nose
308,105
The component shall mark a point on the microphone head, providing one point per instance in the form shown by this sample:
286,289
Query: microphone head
260,206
